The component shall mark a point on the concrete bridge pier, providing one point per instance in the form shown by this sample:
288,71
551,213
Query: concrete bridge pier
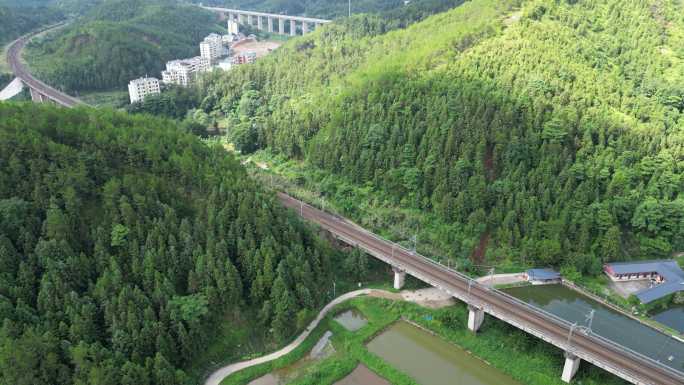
36,96
270,25
260,23
305,27
572,363
293,28
475,318
281,26
399,278
250,22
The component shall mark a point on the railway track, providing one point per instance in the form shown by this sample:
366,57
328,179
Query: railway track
36,86
619,360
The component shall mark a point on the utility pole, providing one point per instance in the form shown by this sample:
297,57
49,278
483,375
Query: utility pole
415,242
590,319
572,328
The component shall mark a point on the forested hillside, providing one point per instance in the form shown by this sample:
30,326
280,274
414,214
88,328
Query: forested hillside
15,22
549,132
124,240
120,40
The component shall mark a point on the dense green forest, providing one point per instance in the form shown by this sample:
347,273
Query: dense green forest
544,131
15,22
123,240
120,40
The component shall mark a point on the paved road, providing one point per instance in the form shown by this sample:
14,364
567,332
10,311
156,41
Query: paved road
218,376
610,356
20,71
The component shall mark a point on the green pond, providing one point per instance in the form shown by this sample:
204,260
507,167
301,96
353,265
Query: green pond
608,323
432,361
352,320
672,317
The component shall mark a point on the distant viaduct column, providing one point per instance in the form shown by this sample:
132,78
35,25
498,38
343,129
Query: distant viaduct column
270,24
231,16
249,20
260,24
293,28
571,365
305,27
36,96
475,318
281,26
399,278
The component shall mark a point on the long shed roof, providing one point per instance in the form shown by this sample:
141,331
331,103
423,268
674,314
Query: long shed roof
542,274
668,269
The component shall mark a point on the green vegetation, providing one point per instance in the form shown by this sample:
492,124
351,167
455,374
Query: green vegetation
539,133
508,349
113,99
126,243
174,102
118,41
15,22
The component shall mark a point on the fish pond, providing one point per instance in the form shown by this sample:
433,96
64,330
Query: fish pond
608,323
431,360
352,320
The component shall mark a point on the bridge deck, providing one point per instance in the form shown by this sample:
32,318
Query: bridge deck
21,72
614,358
272,15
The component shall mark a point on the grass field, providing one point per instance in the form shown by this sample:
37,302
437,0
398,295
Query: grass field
114,99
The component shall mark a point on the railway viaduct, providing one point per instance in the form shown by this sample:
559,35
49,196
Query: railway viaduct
40,92
577,344
250,17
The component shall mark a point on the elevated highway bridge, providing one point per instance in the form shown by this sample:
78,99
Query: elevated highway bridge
578,345
40,92
249,17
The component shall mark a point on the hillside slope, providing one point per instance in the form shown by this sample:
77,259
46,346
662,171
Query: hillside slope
553,129
15,22
118,41
125,242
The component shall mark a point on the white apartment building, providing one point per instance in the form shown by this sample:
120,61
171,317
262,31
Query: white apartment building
138,89
212,48
184,72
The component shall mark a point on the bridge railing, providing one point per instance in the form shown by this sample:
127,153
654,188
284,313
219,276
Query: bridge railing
607,343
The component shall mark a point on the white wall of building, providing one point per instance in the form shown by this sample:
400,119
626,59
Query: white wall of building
138,89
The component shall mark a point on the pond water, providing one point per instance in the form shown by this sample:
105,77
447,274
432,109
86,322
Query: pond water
288,373
672,317
362,376
352,320
431,360
608,323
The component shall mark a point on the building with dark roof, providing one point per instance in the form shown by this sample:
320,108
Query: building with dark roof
665,276
542,275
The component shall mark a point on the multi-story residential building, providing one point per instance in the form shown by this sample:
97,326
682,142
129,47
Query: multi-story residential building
212,48
184,72
138,89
